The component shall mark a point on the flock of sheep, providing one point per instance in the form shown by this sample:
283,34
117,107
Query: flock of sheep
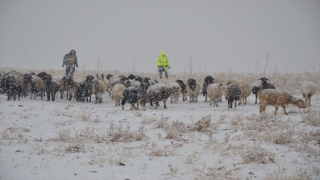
137,90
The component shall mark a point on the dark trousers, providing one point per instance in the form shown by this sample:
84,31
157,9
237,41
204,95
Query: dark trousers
161,69
70,70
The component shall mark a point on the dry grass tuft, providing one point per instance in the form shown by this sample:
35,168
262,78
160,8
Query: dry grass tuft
138,114
166,150
148,120
256,154
312,118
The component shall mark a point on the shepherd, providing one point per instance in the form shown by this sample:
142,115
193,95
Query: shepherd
163,65
70,61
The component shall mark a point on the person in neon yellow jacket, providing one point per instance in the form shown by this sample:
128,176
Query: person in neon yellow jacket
163,65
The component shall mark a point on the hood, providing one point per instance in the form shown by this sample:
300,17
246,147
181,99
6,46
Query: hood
163,54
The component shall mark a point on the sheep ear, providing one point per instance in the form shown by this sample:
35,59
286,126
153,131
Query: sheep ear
220,85
267,79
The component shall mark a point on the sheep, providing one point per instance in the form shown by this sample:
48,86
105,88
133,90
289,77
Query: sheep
116,80
176,92
22,79
131,77
245,90
83,92
37,86
105,81
134,95
117,93
308,89
98,76
135,83
264,85
98,89
215,93
206,82
63,87
70,85
158,92
51,86
183,89
108,76
137,78
193,90
12,87
277,98
231,92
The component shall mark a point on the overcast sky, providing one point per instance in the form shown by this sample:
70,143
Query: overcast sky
220,35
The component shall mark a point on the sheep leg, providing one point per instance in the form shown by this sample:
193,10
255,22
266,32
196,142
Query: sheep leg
53,96
230,104
309,100
61,94
96,99
100,98
256,99
284,110
235,103
48,96
276,109
165,106
211,100
157,103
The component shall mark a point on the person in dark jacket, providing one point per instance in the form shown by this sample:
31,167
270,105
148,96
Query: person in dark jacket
70,61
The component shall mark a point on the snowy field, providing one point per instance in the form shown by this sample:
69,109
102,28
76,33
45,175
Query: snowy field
72,140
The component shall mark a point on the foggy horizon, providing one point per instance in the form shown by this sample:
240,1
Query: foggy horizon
221,36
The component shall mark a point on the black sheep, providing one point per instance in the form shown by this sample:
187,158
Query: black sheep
134,95
183,89
206,82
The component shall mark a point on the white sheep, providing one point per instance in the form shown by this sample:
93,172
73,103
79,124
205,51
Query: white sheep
193,90
215,93
308,89
174,97
105,81
117,93
98,89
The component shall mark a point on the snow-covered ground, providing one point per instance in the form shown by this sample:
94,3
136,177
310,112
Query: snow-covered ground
72,140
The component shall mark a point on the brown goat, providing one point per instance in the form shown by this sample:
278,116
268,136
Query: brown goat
278,98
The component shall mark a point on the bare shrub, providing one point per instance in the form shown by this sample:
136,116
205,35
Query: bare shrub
118,134
138,114
222,118
75,149
15,133
84,116
282,174
166,150
148,120
191,158
162,123
219,172
256,154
